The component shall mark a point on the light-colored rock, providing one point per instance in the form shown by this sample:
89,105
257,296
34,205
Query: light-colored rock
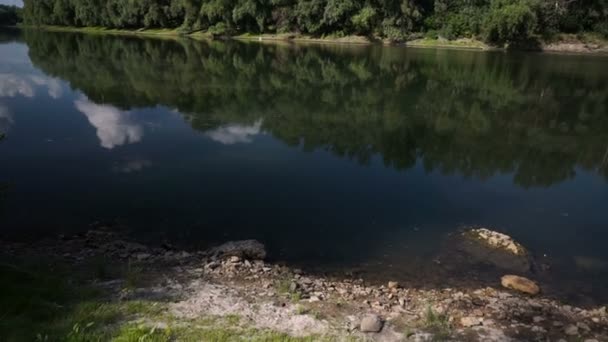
571,330
371,323
497,240
520,284
393,285
142,256
234,259
483,246
538,319
468,322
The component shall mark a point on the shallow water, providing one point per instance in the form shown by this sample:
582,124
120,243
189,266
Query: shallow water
336,157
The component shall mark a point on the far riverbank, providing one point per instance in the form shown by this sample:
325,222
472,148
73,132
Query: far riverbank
563,43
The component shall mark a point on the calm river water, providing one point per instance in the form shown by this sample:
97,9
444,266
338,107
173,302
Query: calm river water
337,157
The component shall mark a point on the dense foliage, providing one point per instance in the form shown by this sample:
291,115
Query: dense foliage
471,113
9,15
496,21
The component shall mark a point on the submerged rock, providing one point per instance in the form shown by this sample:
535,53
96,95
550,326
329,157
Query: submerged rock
485,246
520,284
371,323
244,249
590,264
496,240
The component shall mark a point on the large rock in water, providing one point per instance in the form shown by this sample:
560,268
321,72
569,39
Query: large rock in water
245,249
520,284
487,246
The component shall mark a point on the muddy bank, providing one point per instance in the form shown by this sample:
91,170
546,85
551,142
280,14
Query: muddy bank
233,280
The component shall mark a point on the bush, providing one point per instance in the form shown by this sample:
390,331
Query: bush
431,34
509,22
364,20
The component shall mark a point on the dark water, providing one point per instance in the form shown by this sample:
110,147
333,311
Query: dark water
334,156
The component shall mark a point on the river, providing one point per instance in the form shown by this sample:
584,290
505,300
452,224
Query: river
337,157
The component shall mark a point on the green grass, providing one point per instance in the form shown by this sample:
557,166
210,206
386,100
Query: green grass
436,324
40,303
461,43
104,30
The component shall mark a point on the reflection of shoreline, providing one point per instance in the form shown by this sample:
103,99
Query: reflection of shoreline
476,115
114,127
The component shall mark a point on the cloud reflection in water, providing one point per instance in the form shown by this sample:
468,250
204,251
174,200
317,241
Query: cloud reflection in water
114,127
235,133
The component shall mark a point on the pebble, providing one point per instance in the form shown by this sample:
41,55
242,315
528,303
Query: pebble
371,323
468,322
571,330
235,259
538,319
520,284
393,285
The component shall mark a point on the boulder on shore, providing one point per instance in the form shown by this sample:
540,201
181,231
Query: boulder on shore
244,249
520,284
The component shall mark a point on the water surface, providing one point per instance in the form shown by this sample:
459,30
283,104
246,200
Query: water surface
336,157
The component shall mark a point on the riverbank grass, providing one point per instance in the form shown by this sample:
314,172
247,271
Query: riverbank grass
53,304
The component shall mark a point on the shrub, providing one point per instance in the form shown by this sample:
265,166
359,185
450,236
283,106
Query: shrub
509,22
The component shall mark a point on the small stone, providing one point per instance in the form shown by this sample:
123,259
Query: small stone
371,323
142,256
571,330
313,299
591,340
234,259
538,329
393,285
468,322
558,324
521,284
293,286
583,326
182,255
212,265
538,319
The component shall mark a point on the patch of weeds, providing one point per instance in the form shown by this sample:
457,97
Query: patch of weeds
295,296
229,334
99,267
133,276
283,286
53,306
232,319
142,334
302,310
437,324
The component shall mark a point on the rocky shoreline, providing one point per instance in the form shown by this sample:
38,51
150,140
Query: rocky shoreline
234,280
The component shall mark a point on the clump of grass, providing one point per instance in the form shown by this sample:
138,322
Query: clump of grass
437,324
283,286
133,276
302,310
233,320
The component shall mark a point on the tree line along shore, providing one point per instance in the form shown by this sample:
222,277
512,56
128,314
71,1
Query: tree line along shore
499,23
